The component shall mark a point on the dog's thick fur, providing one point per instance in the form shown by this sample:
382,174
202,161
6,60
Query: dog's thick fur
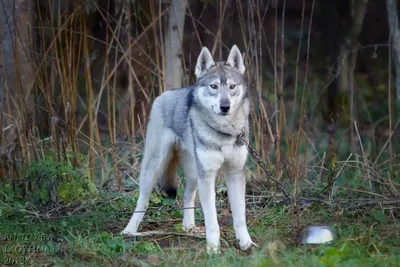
198,126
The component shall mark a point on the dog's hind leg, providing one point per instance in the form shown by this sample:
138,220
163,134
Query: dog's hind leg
157,155
190,172
168,180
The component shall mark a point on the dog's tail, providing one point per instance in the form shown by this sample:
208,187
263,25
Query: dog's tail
168,181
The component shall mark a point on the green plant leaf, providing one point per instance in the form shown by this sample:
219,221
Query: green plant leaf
379,216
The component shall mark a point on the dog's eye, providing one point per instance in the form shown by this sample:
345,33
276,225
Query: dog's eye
232,86
214,86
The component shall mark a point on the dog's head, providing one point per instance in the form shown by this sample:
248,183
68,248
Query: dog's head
221,85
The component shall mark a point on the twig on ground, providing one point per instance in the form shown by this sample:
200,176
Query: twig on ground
370,203
163,233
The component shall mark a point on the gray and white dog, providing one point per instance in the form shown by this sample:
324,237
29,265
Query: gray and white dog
198,126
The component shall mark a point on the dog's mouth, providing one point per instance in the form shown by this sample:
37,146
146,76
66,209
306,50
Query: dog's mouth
220,112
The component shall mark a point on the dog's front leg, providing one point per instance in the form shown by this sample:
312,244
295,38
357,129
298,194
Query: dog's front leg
234,175
208,163
235,181
206,185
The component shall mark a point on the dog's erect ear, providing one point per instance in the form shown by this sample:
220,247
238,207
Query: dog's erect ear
204,62
235,59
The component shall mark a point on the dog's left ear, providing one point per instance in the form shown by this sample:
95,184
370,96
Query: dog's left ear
235,59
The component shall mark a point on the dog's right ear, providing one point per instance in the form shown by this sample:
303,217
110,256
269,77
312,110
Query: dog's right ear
204,62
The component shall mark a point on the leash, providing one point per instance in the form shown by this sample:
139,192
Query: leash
244,141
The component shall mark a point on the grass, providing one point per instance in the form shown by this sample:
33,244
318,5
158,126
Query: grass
89,235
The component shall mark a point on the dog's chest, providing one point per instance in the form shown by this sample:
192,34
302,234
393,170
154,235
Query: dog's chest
231,126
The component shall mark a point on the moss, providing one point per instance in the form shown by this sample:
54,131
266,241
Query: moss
73,189
53,181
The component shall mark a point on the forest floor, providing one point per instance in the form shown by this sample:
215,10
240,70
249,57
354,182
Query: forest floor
89,235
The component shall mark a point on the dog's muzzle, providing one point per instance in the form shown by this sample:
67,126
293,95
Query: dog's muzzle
224,106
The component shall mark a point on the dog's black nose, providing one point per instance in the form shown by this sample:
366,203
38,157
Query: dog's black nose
225,107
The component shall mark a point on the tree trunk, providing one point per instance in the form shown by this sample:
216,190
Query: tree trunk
393,20
173,43
17,74
358,9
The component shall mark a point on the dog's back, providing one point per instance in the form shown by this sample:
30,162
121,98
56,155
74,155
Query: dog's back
174,108
170,117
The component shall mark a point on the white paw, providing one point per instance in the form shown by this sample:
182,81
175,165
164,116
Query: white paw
245,243
129,232
188,227
212,249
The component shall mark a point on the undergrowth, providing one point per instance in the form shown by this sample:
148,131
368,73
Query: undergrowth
90,235
47,183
